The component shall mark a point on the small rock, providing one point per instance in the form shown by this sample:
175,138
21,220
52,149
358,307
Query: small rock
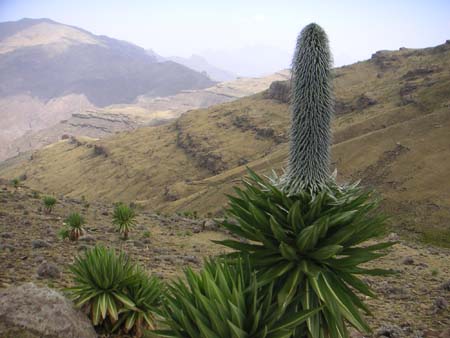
8,247
39,243
39,259
87,238
168,258
209,224
139,244
390,331
393,236
446,286
356,334
439,304
408,261
48,270
191,259
105,213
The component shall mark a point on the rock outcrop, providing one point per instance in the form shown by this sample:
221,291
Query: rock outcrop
280,91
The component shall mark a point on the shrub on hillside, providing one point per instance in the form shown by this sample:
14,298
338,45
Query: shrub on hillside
115,292
124,218
49,203
73,228
15,182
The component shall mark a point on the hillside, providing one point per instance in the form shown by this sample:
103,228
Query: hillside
410,304
391,131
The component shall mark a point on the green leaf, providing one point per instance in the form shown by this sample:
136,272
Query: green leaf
293,320
287,292
325,252
295,217
277,230
307,239
288,252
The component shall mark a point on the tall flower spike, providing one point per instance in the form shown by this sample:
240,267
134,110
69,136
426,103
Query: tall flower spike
312,107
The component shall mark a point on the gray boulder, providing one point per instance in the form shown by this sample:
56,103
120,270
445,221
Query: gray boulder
29,311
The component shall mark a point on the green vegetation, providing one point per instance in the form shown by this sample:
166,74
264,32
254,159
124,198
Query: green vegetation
190,214
73,228
309,245
145,293
63,233
15,182
224,301
49,203
124,218
116,292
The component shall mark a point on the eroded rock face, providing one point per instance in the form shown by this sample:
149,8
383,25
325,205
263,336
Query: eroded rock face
280,91
29,311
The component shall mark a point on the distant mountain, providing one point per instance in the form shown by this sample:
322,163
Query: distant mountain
200,64
48,59
49,71
197,63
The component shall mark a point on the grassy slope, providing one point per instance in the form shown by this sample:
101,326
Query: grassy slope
399,145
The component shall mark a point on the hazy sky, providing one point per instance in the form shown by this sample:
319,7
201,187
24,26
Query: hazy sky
249,37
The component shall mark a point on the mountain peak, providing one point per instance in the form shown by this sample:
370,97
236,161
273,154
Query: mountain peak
42,32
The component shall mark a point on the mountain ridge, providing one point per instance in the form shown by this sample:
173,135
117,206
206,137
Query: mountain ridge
44,65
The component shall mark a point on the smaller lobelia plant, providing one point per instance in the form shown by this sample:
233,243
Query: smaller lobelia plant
224,301
124,218
115,292
74,225
100,278
146,294
49,203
